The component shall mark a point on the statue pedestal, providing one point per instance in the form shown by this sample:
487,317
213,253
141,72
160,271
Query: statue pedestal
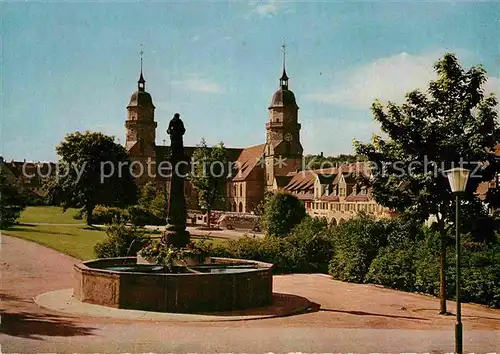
175,236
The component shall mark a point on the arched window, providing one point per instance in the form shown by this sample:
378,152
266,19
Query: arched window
241,190
240,208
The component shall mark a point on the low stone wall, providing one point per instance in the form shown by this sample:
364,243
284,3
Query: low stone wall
169,292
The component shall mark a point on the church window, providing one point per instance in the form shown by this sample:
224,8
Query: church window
241,190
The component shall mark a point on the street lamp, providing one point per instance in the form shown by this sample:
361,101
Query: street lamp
458,181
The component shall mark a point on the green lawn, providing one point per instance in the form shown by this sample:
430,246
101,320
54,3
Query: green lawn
76,241
49,214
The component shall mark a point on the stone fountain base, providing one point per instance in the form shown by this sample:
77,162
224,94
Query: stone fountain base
223,285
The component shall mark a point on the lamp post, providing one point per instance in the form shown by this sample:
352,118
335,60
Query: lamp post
457,177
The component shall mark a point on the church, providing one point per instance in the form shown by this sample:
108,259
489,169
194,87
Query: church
332,193
259,168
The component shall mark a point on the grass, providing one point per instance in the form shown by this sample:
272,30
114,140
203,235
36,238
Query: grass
76,241
70,236
48,214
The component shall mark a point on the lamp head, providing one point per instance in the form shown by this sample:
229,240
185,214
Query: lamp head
457,177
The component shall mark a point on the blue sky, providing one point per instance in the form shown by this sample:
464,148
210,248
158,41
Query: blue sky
73,66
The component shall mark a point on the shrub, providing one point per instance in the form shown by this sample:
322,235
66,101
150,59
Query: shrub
394,267
107,215
121,241
281,213
481,273
140,216
80,214
356,244
312,236
12,201
285,257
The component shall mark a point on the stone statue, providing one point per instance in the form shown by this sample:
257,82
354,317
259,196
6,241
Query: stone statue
176,130
176,233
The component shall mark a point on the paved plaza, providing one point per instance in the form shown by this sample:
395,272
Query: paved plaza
342,317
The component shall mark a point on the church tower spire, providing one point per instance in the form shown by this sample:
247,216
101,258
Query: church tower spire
141,84
141,126
283,132
284,77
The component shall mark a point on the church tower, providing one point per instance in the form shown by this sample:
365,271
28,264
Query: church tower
283,151
141,131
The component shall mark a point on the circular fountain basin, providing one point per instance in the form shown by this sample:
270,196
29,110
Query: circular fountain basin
223,284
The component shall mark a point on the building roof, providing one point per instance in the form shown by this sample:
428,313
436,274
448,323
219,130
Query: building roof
283,97
358,197
330,198
282,181
141,99
163,153
302,181
250,158
305,196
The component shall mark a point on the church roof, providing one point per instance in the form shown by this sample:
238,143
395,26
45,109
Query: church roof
163,153
283,97
141,99
249,159
282,181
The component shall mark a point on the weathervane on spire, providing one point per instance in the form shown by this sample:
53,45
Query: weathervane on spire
284,77
141,53
141,83
284,53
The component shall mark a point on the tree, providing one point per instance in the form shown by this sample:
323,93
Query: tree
314,162
454,124
209,175
259,209
159,204
12,201
281,213
148,194
93,170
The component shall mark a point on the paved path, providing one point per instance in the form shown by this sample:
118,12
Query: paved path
347,317
222,233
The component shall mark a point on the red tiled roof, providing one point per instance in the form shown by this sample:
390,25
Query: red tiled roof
247,161
330,198
282,181
358,198
304,196
302,181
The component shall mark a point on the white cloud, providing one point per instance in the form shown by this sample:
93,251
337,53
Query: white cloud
267,8
193,82
493,86
386,79
316,135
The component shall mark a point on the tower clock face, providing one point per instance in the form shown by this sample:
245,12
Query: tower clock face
288,137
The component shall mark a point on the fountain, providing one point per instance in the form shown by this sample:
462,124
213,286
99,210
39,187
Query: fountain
218,284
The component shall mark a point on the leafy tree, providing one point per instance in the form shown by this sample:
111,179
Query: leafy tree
159,205
259,209
319,161
154,198
281,213
453,124
93,170
12,201
148,194
209,175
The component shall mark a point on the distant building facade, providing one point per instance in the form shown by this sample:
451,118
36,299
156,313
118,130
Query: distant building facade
271,166
275,165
